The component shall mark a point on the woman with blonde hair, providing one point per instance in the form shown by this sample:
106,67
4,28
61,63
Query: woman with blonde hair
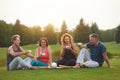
68,51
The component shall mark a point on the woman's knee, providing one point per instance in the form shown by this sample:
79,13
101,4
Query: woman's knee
33,63
71,62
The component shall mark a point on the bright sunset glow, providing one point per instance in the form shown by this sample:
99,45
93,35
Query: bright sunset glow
106,13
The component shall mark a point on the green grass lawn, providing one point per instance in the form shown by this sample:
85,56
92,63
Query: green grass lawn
102,73
113,48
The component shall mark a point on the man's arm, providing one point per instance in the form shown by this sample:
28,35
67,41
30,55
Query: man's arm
106,59
28,53
11,51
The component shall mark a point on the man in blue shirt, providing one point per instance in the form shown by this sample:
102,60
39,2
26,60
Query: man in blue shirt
95,57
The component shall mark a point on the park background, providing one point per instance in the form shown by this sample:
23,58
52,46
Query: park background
12,21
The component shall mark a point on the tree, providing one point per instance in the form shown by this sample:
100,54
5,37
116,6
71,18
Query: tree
23,31
17,28
64,28
108,35
94,29
5,33
37,33
81,32
50,34
117,36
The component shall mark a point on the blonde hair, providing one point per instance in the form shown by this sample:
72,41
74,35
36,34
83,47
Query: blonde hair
14,37
66,35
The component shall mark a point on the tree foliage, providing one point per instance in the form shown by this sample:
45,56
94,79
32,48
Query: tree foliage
50,34
108,35
81,32
94,29
30,35
117,36
5,33
64,28
23,31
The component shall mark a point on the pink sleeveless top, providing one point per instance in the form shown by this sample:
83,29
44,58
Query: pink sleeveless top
45,57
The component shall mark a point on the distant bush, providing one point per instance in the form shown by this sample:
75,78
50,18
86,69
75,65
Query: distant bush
55,52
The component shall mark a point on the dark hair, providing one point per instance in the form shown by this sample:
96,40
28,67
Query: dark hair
14,37
43,38
94,36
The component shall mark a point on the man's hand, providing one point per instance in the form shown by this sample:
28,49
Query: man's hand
25,52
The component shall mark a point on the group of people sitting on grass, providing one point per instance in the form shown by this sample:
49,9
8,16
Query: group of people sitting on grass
94,57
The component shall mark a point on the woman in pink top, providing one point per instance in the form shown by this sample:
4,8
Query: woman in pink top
43,54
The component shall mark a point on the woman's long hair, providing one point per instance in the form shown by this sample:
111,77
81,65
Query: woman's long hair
66,35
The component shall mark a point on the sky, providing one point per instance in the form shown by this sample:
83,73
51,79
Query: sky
106,13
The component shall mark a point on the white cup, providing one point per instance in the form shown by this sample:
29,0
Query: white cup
79,44
29,51
54,65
